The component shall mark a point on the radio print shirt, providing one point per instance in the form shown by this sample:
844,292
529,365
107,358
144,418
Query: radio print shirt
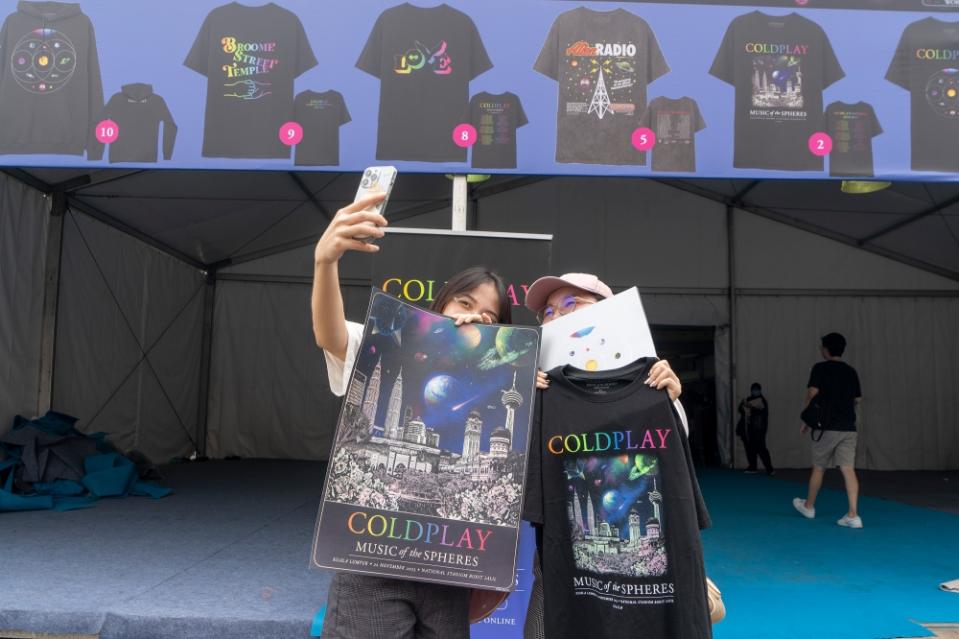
610,482
780,66
250,56
603,62
926,64
425,59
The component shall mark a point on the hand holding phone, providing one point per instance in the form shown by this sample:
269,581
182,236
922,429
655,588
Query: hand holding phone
376,179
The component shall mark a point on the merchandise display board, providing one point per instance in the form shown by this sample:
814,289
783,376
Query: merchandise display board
779,89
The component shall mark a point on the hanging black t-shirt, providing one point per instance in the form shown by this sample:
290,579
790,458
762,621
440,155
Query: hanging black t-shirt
675,123
779,66
321,115
838,385
926,64
852,128
425,59
496,116
611,484
250,56
603,62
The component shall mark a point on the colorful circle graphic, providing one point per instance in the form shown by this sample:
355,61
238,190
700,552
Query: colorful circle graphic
942,92
43,61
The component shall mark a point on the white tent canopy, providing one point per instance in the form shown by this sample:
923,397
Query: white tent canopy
176,316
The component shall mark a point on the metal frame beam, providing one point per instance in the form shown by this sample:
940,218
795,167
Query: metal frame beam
932,210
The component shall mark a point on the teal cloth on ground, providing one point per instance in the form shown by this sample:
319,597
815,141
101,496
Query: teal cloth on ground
317,629
105,474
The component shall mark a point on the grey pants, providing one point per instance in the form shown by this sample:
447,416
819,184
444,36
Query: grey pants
361,607
535,627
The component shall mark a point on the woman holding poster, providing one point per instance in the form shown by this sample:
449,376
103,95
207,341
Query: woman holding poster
361,606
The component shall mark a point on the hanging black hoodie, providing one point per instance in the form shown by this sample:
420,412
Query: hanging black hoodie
50,87
138,112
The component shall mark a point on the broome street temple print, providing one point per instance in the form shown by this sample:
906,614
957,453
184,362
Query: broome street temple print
425,479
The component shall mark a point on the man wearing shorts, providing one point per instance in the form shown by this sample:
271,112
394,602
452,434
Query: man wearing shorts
837,385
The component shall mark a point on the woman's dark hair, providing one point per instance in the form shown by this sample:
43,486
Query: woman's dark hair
465,281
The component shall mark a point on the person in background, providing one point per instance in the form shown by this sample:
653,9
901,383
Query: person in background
754,422
835,385
360,606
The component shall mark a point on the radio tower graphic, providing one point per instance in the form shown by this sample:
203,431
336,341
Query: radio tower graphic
600,102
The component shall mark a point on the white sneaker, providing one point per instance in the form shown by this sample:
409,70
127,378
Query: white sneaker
800,504
850,522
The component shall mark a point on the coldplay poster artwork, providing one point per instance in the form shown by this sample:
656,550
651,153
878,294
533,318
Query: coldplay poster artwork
425,480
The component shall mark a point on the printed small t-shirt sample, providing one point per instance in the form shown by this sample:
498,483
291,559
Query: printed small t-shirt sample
321,115
613,494
50,86
250,56
780,66
852,128
139,113
926,64
675,123
425,59
496,116
603,62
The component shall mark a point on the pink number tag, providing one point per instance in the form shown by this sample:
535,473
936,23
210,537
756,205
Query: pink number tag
820,144
644,139
291,133
107,131
464,135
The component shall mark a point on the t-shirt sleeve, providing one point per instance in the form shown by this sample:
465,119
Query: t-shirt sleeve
647,118
856,388
655,60
345,117
533,497
898,71
338,370
681,413
305,59
831,69
876,127
521,119
547,62
816,377
702,513
199,57
372,55
700,121
480,62
723,65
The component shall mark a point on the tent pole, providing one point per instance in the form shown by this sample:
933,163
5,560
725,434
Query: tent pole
731,255
51,294
206,352
460,202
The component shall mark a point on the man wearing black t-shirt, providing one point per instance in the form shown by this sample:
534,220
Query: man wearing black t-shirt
836,383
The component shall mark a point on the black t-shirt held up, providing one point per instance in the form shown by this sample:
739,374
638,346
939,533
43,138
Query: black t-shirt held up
779,66
611,484
425,59
838,385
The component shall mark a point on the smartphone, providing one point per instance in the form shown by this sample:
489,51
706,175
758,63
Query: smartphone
376,179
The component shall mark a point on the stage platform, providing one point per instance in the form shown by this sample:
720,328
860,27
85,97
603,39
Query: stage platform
227,556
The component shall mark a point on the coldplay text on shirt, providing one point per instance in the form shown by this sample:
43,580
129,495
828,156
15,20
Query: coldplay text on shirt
601,441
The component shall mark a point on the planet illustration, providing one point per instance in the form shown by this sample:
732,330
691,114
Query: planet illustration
512,344
612,500
469,335
440,390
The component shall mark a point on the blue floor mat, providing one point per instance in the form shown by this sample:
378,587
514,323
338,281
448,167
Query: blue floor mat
783,576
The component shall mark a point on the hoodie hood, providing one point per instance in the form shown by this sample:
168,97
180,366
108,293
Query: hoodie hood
49,11
137,92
